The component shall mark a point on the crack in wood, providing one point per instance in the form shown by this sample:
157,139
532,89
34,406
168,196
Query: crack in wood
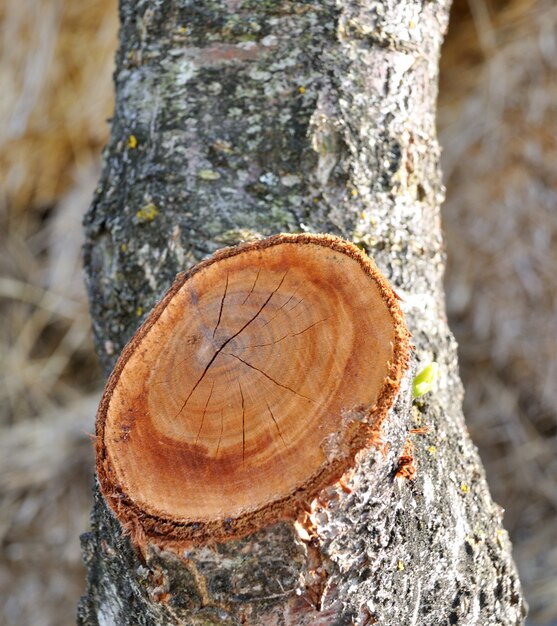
272,343
293,307
221,432
221,305
204,412
243,423
282,306
276,424
270,377
219,350
252,287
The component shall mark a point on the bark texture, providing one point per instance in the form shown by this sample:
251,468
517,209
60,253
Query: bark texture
242,118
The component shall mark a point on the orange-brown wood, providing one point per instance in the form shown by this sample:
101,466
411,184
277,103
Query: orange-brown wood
250,388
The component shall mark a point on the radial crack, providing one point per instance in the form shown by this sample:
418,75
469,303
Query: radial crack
293,307
221,304
243,424
204,411
253,286
219,350
221,432
199,380
283,305
272,343
310,326
253,367
277,426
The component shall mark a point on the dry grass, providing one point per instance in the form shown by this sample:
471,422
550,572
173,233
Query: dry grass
498,123
45,489
56,94
55,81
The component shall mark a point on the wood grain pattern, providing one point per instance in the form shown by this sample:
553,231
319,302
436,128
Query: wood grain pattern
250,387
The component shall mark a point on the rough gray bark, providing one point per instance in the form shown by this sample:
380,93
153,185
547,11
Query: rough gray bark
258,116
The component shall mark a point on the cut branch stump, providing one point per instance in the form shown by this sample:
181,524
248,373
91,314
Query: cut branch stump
249,389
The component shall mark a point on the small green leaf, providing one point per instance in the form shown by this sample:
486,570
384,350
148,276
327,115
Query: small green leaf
424,381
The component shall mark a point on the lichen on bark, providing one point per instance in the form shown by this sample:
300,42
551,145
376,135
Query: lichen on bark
255,117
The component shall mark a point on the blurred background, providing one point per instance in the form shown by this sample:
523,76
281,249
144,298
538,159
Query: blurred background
498,129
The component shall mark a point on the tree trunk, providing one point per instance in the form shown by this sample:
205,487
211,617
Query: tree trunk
237,119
